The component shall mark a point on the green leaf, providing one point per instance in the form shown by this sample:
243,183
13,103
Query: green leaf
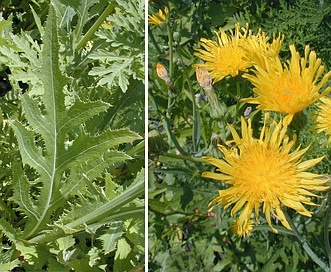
55,266
110,238
9,266
94,211
65,242
28,251
114,75
122,57
4,39
7,230
94,254
54,143
123,249
83,265
124,256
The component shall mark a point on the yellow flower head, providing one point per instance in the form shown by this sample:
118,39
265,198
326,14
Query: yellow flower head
225,57
258,48
291,87
235,52
158,18
323,118
263,172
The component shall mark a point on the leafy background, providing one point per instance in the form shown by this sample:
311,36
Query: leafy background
72,124
183,235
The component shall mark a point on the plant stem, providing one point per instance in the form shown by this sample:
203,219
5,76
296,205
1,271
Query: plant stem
94,27
326,231
166,125
196,123
305,245
171,52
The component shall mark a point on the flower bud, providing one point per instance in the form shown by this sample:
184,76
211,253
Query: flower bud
162,73
203,78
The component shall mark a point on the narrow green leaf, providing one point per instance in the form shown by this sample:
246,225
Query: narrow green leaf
37,20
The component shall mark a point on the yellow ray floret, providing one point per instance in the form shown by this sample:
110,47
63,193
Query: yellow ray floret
236,51
291,87
323,117
264,173
158,18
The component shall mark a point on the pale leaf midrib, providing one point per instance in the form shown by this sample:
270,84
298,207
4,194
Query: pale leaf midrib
52,176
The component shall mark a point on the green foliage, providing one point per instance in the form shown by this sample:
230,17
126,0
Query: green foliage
123,56
183,234
70,199
303,21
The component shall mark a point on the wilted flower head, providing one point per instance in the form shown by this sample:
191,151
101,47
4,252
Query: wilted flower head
291,87
264,172
247,111
158,18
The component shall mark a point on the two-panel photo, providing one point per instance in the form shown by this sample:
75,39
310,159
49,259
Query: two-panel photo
165,135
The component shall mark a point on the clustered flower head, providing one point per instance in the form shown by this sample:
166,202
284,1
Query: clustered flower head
264,173
236,52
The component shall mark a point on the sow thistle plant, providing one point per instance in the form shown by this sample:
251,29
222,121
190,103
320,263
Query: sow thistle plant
239,160
66,203
268,172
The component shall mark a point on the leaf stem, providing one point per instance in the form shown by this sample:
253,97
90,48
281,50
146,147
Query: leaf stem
305,244
110,207
94,27
121,214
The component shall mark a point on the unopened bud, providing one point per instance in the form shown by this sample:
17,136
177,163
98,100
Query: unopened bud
162,73
203,78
